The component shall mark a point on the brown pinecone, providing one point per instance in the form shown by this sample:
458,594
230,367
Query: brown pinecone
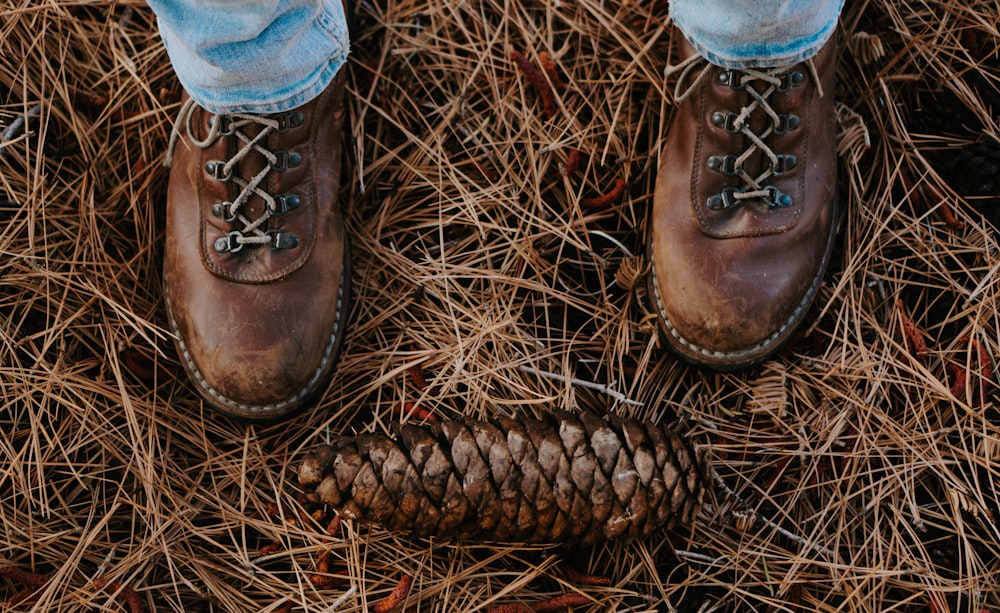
974,169
937,113
568,479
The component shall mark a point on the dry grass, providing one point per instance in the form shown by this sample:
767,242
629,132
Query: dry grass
855,472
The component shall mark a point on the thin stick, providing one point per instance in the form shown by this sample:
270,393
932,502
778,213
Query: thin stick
16,127
343,598
604,389
767,522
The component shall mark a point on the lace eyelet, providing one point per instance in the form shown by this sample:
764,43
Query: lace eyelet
727,199
776,199
284,203
787,123
217,170
290,120
724,200
286,160
730,78
726,121
225,211
786,163
790,80
281,240
223,124
725,164
229,243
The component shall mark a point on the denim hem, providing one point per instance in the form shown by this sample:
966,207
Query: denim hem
285,100
286,83
773,60
754,53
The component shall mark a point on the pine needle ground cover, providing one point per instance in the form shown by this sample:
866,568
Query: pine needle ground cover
501,158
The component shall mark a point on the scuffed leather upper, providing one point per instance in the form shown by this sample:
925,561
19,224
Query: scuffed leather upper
731,284
258,329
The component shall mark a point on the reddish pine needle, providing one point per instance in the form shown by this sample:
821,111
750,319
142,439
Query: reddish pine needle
323,564
306,518
20,597
396,597
572,162
560,603
985,364
138,172
277,511
606,200
958,379
512,608
25,578
487,172
779,472
948,215
415,411
130,596
89,102
915,343
960,375
970,39
549,66
585,579
323,579
537,80
936,603
417,377
333,528
929,195
141,365
325,582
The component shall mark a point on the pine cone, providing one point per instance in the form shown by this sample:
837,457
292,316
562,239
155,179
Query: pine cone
974,170
569,479
939,113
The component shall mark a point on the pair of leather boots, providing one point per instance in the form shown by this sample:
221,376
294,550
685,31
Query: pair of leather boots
257,274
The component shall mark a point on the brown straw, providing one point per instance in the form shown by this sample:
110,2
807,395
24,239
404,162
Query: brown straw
497,223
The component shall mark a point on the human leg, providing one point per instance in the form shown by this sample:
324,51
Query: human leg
744,208
259,57
256,264
756,33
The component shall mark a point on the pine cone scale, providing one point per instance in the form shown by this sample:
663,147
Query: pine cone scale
436,471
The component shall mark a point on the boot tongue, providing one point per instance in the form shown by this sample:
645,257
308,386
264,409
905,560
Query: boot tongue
757,162
249,167
758,122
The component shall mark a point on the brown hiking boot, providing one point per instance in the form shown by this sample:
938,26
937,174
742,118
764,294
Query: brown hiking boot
256,265
744,209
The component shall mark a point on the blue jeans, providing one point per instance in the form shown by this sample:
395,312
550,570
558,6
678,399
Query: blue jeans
756,33
265,56
270,56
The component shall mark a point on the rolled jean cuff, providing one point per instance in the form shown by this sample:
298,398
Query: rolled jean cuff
276,72
756,33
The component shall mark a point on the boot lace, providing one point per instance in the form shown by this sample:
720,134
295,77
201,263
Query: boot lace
246,231
771,81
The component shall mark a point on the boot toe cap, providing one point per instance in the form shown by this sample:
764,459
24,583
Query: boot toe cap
731,327
259,364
